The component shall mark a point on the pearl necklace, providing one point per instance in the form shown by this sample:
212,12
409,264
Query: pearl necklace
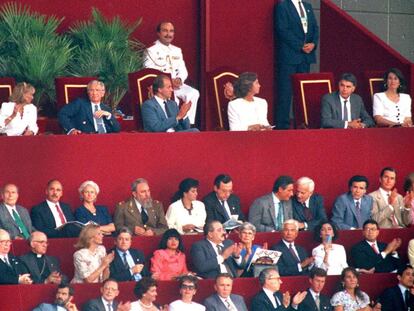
144,305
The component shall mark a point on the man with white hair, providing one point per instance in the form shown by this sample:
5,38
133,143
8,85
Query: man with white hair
308,207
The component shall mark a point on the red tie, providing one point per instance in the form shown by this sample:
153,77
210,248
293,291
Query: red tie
61,216
374,247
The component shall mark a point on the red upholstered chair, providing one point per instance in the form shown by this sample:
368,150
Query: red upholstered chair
374,81
216,80
6,88
308,89
70,88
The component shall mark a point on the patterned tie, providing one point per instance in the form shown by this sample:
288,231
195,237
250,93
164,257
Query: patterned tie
61,216
124,255
358,213
228,305
292,251
99,122
317,302
307,212
279,218
345,110
20,224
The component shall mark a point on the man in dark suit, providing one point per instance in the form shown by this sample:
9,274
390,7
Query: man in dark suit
128,263
14,218
314,300
51,213
109,291
42,268
343,109
223,299
215,254
352,209
297,36
221,204
141,214
269,212
270,298
12,270
308,207
161,114
401,296
89,115
371,255
63,300
294,259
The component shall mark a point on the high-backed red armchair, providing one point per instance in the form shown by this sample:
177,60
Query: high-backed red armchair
308,89
216,80
70,88
6,88
374,81
140,88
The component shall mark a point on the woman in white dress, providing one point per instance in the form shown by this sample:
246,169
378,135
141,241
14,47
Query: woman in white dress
188,288
328,256
146,292
392,107
247,112
19,116
186,214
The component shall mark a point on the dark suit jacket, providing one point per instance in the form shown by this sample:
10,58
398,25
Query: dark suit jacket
344,211
287,264
10,275
44,221
308,304
316,208
155,120
214,303
392,300
261,302
79,115
363,256
215,210
52,264
204,259
331,112
290,34
7,222
97,305
118,270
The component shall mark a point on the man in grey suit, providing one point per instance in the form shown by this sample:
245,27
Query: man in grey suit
14,218
269,212
63,300
352,209
223,299
161,114
109,291
343,109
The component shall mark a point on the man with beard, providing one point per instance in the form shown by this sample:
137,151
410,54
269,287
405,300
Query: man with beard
141,214
63,301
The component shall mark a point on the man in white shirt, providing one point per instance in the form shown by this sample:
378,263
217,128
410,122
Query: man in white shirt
169,59
388,209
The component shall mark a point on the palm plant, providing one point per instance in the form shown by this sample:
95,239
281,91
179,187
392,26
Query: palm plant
31,50
104,48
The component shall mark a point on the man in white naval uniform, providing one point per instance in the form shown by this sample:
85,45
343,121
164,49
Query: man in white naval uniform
169,59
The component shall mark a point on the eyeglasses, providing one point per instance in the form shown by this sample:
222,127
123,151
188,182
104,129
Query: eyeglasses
5,241
190,287
41,242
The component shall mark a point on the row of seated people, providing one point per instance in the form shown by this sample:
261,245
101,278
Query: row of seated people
145,216
341,109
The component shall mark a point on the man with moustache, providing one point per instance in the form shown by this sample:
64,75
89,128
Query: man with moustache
315,300
141,214
52,214
63,300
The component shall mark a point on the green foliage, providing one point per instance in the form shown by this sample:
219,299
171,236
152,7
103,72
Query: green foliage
104,48
31,50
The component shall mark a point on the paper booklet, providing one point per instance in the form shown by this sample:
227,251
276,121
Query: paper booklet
265,257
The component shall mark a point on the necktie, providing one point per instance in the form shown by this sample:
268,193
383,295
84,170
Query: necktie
374,247
307,212
358,214
317,302
6,261
292,251
61,216
220,249
345,110
167,110
99,122
124,254
276,300
224,209
228,304
279,218
406,297
109,306
302,13
144,215
20,224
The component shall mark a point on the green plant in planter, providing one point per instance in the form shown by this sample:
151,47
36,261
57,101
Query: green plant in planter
104,48
32,51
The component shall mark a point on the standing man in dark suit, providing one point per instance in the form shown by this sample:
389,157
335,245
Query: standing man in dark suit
297,36
161,114
343,109
14,218
214,254
352,209
371,256
268,212
63,300
401,296
89,115
51,213
314,300
42,268
270,298
109,291
221,204
12,270
223,299
294,259
128,263
308,207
